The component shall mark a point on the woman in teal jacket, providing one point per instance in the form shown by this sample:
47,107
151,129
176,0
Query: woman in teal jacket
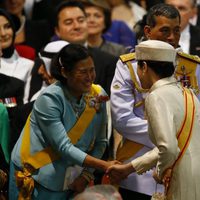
68,125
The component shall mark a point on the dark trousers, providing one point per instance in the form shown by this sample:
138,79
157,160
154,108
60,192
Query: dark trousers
131,195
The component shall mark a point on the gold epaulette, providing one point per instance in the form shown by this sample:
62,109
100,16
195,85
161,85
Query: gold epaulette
192,58
127,57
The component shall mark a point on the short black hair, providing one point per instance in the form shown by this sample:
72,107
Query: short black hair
164,10
162,69
67,58
66,4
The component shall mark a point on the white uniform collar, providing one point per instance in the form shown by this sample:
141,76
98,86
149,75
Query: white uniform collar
163,81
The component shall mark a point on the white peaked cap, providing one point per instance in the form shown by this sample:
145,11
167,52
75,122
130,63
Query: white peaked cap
155,50
50,50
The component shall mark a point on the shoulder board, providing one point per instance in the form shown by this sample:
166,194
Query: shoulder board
127,57
192,58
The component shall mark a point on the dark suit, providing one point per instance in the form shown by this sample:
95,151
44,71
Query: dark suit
194,40
105,67
37,34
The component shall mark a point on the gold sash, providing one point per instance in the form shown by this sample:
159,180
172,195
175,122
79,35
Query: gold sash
129,148
185,132
33,162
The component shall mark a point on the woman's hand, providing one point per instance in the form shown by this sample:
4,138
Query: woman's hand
167,178
79,185
156,178
118,172
111,163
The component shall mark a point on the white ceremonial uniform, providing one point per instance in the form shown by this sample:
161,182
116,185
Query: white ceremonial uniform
165,112
129,121
18,67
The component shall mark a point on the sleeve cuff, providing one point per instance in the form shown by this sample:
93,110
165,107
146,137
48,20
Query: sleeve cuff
145,162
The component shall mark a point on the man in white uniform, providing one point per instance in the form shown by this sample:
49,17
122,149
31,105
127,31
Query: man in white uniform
173,114
163,23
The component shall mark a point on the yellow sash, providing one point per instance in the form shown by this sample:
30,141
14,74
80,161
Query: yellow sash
129,148
185,132
48,155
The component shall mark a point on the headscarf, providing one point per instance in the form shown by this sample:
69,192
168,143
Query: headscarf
7,53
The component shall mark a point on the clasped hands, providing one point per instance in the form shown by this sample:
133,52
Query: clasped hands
118,172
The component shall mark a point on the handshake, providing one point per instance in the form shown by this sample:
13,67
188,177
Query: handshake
116,171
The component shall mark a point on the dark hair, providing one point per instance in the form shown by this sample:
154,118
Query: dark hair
106,12
67,4
139,28
162,69
67,57
164,10
9,18
7,53
108,20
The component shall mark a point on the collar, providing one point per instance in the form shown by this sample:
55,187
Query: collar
162,82
186,31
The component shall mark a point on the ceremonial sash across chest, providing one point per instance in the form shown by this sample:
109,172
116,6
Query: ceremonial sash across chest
33,162
129,148
185,132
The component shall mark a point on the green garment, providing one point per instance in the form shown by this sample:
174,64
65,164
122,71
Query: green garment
4,132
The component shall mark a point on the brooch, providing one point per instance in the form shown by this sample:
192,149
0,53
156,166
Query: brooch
95,101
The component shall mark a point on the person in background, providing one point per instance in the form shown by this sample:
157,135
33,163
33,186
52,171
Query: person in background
147,4
190,35
127,97
99,192
41,75
11,63
99,20
120,33
176,155
15,76
76,31
139,29
67,157
34,34
132,12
